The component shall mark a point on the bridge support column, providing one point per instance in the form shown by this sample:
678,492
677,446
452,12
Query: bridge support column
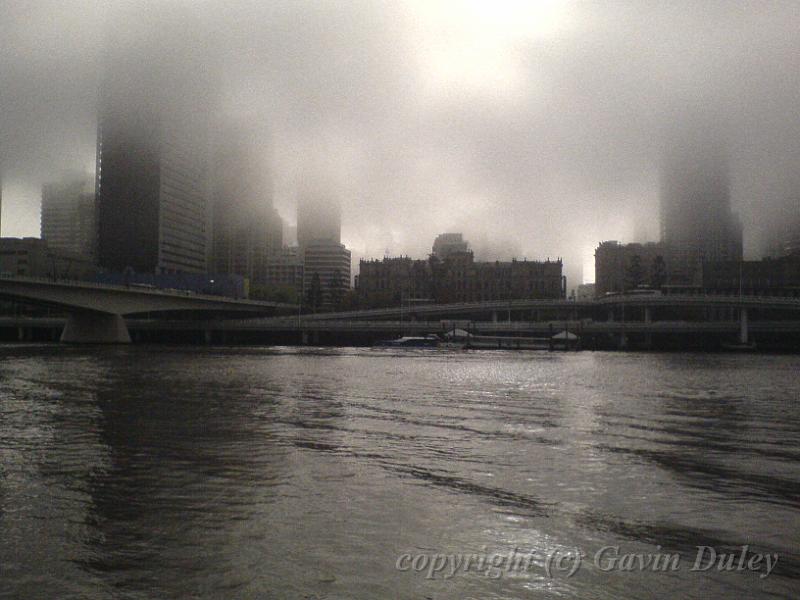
95,328
743,327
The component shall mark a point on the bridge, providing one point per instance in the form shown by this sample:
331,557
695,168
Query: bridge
96,311
618,315
497,309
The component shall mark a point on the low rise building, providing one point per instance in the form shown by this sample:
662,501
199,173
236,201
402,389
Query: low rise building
769,277
390,281
621,267
33,257
585,291
458,278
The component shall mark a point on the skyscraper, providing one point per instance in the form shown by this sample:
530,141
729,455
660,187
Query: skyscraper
326,261
697,224
152,186
68,215
248,231
318,218
326,272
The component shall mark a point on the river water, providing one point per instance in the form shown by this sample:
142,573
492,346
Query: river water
166,472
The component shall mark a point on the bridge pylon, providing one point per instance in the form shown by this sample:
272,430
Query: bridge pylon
95,328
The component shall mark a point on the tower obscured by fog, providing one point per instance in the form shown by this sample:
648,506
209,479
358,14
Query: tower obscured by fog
326,261
153,192
68,215
248,231
784,237
318,218
697,224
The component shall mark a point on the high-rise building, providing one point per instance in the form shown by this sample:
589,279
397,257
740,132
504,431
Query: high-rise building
446,244
68,215
786,242
285,270
248,231
326,272
153,192
697,224
318,219
326,261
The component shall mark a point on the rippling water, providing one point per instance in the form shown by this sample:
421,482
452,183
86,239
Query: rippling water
153,472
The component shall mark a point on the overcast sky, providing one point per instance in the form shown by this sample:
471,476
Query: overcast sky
533,127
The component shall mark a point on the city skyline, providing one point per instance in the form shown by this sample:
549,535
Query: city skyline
515,126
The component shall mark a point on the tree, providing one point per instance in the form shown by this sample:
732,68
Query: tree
658,274
634,274
314,293
350,301
337,285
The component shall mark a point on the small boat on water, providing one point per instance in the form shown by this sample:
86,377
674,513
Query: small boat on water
739,347
428,341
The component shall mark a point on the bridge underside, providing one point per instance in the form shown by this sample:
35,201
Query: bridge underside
95,328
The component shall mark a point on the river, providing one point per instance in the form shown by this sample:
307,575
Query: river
318,473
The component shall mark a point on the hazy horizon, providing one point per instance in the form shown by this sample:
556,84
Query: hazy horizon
535,128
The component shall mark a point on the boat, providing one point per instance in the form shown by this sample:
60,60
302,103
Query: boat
739,347
428,341
453,344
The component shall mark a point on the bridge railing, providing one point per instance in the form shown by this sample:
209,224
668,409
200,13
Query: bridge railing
501,306
172,293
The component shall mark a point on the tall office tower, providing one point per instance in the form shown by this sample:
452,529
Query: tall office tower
697,224
152,179
318,218
326,273
791,241
248,231
326,261
68,215
783,239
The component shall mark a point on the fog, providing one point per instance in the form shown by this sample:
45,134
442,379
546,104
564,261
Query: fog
536,128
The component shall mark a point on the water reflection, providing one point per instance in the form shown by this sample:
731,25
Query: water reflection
304,473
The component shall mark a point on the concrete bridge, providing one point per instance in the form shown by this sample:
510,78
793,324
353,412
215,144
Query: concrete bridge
96,311
618,315
500,309
602,334
96,315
